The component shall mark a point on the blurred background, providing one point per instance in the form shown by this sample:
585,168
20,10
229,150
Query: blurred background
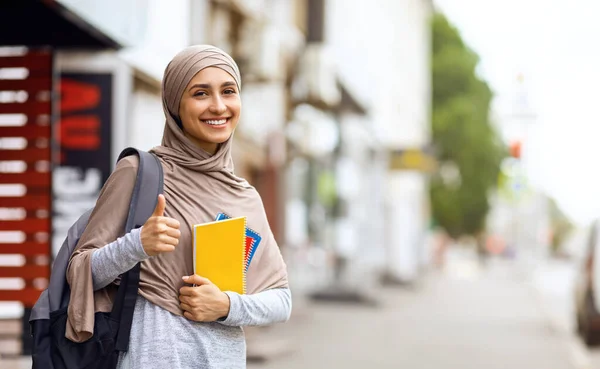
428,167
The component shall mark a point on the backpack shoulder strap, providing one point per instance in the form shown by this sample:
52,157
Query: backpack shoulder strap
148,185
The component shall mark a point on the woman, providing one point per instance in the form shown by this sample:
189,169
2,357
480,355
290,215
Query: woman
181,320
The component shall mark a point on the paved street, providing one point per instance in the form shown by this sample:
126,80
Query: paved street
463,318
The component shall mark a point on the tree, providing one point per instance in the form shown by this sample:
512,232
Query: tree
560,223
462,133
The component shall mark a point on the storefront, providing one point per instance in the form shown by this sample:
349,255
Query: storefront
55,144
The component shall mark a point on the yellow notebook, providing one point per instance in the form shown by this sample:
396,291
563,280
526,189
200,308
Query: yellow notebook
219,249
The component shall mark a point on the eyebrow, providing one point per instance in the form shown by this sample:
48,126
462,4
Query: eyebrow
208,86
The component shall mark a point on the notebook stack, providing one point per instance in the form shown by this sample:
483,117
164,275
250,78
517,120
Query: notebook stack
223,250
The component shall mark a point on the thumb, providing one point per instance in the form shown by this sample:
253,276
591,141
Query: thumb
196,280
160,206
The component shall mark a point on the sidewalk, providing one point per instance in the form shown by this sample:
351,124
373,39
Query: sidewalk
464,318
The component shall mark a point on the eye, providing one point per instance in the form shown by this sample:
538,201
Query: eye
229,91
200,93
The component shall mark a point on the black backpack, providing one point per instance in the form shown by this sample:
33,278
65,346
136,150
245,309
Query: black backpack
51,350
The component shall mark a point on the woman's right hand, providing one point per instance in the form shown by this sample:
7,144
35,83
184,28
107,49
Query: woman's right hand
160,234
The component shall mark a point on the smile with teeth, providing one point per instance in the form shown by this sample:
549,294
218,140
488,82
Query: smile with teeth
215,122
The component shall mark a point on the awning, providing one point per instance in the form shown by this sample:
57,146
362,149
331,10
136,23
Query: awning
48,23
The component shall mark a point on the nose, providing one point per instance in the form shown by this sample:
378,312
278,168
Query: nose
217,106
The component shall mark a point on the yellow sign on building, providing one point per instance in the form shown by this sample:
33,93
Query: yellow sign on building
412,159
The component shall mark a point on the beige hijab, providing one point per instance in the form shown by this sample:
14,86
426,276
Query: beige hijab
197,186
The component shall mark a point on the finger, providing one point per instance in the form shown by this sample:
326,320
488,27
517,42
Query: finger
165,248
188,315
185,307
160,206
168,240
172,223
175,233
197,280
187,291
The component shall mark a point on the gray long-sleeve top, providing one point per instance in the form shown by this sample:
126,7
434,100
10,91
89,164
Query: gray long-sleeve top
160,339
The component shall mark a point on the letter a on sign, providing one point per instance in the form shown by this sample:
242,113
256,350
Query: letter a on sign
76,95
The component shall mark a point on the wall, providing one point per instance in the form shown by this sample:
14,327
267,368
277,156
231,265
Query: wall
146,116
393,76
167,31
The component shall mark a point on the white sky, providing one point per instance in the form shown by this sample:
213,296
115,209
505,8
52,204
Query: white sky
556,45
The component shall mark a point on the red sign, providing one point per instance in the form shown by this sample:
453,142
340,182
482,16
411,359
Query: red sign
25,177
84,142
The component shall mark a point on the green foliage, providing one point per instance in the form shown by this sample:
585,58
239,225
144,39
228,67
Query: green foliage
561,225
462,133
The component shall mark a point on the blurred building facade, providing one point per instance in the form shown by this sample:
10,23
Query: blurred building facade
406,133
369,82
336,95
389,46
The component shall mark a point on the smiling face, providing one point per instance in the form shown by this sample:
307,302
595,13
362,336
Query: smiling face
210,108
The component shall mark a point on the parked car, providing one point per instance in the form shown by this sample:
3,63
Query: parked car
587,290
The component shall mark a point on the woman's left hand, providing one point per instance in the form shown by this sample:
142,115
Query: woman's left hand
204,302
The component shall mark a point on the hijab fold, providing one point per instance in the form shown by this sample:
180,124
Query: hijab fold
197,186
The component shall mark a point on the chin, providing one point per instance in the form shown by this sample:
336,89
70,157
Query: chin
220,139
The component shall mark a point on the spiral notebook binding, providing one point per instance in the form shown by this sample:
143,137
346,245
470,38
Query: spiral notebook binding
244,258
255,236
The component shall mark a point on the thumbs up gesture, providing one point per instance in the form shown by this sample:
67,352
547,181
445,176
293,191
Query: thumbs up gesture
160,234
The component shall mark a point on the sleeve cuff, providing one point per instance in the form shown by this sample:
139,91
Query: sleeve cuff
233,318
140,253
